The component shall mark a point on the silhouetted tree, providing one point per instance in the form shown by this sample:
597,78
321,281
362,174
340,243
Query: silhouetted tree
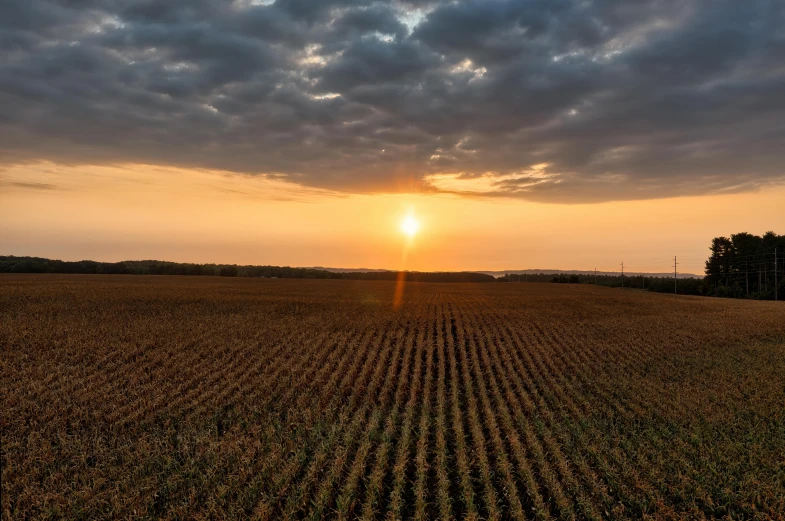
744,265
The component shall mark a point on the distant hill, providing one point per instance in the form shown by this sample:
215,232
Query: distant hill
13,264
690,284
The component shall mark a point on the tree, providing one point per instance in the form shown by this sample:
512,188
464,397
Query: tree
228,271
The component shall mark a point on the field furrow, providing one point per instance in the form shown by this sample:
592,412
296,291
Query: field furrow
176,398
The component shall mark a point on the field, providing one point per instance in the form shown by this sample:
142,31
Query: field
202,397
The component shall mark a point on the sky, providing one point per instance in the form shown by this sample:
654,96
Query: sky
522,134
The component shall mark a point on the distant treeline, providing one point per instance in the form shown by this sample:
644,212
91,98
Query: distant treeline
746,266
12,264
420,276
686,286
742,266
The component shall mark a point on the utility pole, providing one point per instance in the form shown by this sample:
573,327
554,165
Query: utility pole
674,275
622,274
776,296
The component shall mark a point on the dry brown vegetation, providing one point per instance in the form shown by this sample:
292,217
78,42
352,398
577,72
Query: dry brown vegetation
177,397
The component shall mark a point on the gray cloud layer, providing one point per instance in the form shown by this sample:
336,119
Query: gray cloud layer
612,99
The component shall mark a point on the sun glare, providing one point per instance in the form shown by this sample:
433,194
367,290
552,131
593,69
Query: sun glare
410,226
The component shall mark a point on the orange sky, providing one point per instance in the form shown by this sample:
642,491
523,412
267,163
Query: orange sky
147,212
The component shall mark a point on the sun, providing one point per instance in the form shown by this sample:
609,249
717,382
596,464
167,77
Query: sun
410,226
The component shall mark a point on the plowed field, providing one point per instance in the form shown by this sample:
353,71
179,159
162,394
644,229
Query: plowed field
180,397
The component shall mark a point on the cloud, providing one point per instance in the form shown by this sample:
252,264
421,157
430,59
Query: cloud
621,100
33,185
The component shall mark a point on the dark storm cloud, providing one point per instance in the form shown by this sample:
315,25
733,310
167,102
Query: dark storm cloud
551,100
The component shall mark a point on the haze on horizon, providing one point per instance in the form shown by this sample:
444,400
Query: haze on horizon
522,134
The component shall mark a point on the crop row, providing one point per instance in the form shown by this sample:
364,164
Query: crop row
317,399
